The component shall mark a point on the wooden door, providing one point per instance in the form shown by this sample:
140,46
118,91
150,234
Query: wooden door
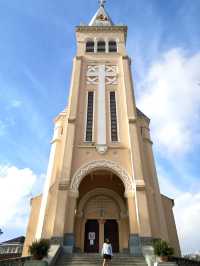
112,233
91,244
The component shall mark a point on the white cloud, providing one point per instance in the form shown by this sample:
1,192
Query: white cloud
15,190
170,95
186,212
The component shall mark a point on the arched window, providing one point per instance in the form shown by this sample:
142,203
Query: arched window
101,46
112,46
90,47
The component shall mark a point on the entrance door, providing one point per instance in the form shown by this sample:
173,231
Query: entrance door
91,244
112,233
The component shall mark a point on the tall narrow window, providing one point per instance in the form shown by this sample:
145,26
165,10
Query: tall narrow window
112,46
90,47
101,46
113,117
89,122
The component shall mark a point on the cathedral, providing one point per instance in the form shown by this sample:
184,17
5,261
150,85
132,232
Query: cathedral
101,179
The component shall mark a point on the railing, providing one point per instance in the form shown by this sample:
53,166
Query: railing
14,261
185,262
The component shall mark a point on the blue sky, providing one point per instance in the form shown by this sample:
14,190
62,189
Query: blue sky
36,50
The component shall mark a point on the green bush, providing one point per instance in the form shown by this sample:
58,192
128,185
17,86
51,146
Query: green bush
39,248
162,249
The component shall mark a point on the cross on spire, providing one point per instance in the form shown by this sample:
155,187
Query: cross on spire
102,2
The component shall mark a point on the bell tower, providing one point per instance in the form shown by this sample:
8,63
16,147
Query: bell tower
101,179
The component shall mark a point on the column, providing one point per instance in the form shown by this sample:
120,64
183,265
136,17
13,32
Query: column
78,232
59,223
49,178
69,240
135,247
101,233
120,235
83,234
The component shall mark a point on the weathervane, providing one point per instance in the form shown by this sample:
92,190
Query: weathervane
102,2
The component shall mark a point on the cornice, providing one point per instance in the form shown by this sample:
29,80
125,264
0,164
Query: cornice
118,28
101,28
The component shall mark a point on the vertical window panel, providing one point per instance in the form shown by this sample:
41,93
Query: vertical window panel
101,46
89,122
112,46
113,117
90,47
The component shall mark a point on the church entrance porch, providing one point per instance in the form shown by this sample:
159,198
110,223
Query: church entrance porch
101,213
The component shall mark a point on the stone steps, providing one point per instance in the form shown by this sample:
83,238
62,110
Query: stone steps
96,260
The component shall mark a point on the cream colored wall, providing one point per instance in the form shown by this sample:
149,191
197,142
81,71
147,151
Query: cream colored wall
133,152
158,223
171,225
32,224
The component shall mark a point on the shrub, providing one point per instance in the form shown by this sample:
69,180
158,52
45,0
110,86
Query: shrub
162,249
39,248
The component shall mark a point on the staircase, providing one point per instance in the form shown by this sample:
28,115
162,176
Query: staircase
96,260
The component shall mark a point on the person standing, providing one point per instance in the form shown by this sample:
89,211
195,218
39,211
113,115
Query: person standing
107,252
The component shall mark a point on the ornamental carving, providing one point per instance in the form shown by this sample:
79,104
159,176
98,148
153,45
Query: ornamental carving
102,164
110,74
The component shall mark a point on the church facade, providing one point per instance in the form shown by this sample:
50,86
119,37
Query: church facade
101,180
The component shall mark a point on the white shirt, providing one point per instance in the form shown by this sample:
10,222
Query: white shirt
107,249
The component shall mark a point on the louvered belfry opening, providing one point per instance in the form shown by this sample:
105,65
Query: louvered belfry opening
113,116
101,46
112,46
89,125
90,47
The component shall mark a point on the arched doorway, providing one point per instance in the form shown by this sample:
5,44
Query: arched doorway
101,213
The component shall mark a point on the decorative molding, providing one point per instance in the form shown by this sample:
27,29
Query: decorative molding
102,192
71,120
110,74
101,149
132,120
92,80
139,183
63,186
93,74
102,164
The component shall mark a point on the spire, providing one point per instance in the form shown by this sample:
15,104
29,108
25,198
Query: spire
102,2
101,18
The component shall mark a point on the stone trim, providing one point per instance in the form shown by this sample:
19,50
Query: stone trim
105,192
102,164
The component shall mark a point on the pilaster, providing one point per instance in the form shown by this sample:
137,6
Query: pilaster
70,134
69,236
136,153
